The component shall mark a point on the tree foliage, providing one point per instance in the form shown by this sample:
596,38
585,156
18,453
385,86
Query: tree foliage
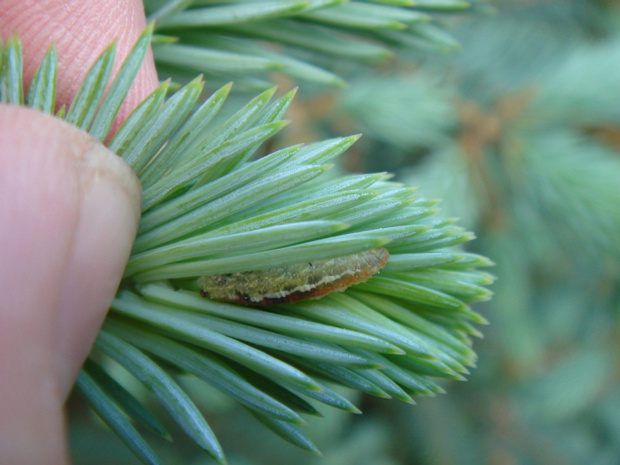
215,202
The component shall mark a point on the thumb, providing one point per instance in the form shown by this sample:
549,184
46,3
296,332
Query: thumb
69,210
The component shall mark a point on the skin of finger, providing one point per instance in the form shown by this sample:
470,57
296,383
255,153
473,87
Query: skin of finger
80,31
69,215
110,204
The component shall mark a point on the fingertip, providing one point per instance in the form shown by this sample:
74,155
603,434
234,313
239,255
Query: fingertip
65,201
70,211
109,213
80,31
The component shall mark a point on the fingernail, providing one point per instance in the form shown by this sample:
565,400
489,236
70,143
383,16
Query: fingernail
109,213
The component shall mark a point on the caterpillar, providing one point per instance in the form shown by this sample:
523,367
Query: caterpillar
309,280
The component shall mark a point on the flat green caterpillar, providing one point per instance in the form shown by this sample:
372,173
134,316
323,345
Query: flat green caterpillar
309,280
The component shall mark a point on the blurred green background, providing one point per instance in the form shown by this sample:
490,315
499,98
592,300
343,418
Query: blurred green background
519,134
